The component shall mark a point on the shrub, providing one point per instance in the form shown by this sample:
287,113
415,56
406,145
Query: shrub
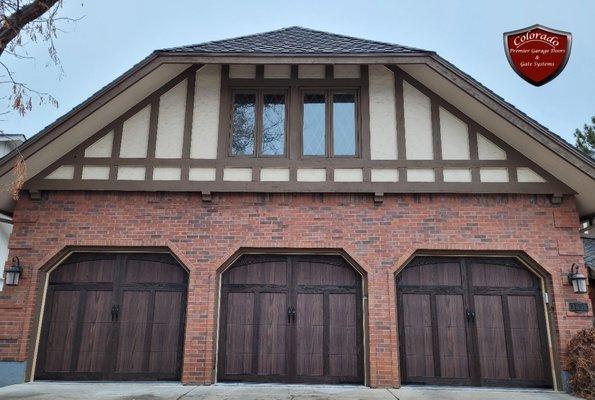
581,364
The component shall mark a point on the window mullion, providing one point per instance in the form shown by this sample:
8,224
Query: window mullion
259,123
329,123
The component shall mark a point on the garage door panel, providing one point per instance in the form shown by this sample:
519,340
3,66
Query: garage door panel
498,275
132,331
526,338
164,354
417,318
452,336
491,338
309,272
95,331
60,337
343,346
166,321
272,328
442,273
82,268
239,334
152,269
310,343
270,272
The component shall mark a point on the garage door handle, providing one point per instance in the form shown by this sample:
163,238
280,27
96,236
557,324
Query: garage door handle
115,312
470,316
290,314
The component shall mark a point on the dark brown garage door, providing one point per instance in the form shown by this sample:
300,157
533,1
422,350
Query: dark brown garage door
291,319
471,321
114,317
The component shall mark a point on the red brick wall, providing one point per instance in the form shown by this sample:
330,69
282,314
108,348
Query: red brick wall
380,237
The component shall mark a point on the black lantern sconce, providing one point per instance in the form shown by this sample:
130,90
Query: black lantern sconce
577,279
13,274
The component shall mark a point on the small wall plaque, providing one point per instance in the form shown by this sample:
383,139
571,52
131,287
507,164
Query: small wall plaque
578,307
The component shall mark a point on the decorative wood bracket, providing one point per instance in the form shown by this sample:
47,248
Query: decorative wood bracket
556,198
35,194
378,197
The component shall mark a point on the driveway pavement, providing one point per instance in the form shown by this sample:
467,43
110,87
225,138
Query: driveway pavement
176,391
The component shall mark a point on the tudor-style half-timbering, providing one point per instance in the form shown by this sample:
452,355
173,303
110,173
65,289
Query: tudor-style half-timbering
291,128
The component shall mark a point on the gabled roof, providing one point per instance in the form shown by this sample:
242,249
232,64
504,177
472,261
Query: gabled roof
293,45
295,40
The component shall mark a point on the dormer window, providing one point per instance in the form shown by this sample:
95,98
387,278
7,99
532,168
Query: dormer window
258,124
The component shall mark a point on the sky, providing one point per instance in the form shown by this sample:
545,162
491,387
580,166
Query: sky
113,35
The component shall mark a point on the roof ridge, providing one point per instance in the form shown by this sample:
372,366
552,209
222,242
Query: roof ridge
359,38
226,39
289,29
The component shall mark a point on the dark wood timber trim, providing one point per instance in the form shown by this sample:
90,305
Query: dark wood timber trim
436,137
69,159
293,160
537,132
188,119
400,117
365,120
329,71
152,143
473,153
513,155
260,71
86,108
507,111
292,187
116,145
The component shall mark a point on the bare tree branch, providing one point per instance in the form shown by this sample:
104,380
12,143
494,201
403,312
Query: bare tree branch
23,22
12,24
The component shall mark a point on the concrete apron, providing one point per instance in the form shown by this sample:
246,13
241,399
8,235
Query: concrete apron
176,391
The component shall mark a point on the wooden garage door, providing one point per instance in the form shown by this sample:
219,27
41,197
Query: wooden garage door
114,317
471,321
291,319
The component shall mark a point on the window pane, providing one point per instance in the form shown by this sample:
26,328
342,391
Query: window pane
243,123
344,124
273,125
314,142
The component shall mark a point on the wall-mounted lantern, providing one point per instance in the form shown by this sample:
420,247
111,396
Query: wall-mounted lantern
13,274
577,279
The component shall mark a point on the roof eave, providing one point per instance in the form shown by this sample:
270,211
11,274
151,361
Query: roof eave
291,58
29,146
538,132
578,159
288,54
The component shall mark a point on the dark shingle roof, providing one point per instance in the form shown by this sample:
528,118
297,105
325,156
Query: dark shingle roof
589,245
296,40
